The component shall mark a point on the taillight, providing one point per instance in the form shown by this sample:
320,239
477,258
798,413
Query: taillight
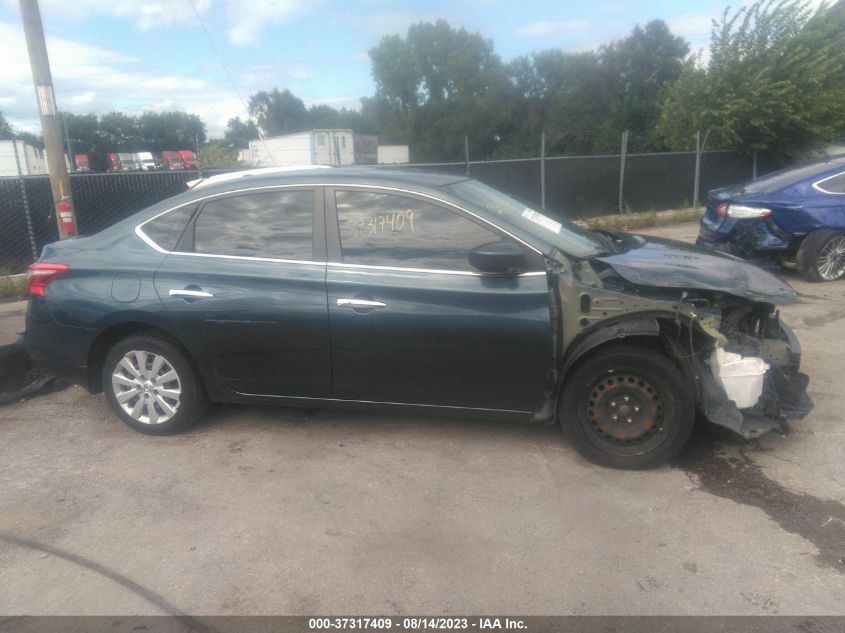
741,211
42,274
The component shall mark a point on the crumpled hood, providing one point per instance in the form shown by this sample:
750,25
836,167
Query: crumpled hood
667,263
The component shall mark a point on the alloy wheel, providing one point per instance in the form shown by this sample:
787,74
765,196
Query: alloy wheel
831,261
146,387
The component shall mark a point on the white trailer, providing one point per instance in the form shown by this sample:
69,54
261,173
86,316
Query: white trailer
316,147
393,155
31,159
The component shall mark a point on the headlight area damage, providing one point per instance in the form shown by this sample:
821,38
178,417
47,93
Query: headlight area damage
741,361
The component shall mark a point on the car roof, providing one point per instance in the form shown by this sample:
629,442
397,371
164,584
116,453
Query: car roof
794,175
386,176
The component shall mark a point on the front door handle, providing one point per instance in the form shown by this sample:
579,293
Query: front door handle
360,304
192,294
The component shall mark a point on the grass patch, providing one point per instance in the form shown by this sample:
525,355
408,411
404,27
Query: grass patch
12,286
643,220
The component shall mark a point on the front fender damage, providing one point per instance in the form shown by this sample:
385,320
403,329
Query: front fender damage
689,324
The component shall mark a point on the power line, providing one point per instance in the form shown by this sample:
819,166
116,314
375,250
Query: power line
226,70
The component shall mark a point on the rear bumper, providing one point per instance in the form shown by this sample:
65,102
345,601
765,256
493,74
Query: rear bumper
750,239
57,350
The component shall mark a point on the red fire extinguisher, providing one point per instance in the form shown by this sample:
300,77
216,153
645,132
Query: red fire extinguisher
65,208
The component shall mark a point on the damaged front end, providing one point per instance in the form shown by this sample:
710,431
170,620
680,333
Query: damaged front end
751,331
692,317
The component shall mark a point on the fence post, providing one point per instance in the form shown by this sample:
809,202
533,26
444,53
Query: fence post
543,170
25,201
199,164
754,166
697,170
700,144
466,153
624,153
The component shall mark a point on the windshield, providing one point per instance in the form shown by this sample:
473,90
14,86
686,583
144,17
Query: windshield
569,238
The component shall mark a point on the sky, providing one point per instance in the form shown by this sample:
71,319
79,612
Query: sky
136,55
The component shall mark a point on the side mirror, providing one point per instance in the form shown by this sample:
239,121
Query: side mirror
498,257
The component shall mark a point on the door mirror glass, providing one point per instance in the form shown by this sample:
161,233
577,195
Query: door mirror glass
498,257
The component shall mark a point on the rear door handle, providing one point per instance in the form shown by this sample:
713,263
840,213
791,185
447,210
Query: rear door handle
193,294
360,303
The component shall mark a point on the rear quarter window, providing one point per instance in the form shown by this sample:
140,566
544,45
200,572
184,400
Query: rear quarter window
166,229
832,184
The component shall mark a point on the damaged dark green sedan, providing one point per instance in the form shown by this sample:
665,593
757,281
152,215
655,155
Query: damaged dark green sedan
415,292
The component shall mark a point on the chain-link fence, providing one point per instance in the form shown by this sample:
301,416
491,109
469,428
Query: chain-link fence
571,186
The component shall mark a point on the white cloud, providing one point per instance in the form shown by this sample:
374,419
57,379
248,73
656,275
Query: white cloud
391,23
248,22
94,79
144,14
691,25
551,27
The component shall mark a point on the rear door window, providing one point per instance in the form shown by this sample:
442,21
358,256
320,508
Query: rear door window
277,225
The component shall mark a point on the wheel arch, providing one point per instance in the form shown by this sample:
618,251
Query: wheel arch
648,331
619,331
115,332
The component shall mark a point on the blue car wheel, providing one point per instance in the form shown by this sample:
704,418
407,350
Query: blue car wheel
822,256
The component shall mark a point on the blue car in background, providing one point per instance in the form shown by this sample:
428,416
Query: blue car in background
794,217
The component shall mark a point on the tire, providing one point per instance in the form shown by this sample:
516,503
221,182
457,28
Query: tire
155,407
659,406
821,256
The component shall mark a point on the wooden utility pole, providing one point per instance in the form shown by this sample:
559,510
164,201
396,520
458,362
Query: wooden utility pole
51,127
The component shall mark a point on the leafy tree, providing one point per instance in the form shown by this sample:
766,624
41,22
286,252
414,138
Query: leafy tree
219,154
437,85
157,131
775,79
6,130
239,133
36,140
278,112
638,69
118,131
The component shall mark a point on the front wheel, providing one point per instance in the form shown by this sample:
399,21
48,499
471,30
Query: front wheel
151,386
627,407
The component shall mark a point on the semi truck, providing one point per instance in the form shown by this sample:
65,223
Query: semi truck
189,159
171,160
146,161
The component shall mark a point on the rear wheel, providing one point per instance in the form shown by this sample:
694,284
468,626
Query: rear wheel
151,386
821,256
627,407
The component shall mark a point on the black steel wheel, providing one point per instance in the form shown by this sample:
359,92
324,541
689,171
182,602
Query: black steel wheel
627,407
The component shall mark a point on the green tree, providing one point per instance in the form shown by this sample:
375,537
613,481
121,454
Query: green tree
639,69
118,132
6,130
83,130
775,81
437,85
239,133
217,154
278,112
172,130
